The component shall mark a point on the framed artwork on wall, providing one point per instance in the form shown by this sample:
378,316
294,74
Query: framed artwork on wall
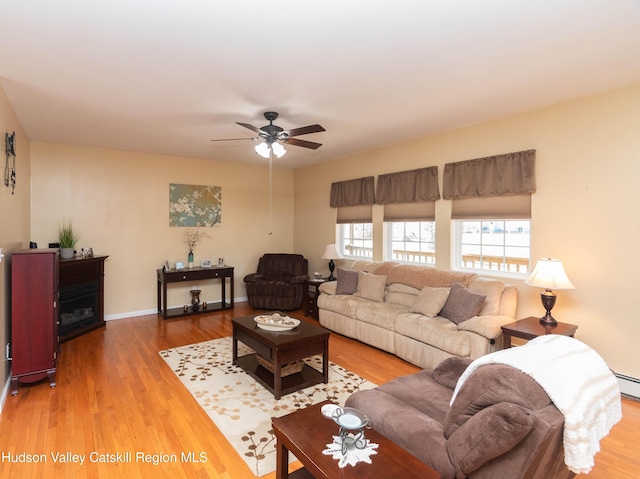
194,205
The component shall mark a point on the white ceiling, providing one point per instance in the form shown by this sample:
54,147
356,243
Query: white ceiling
167,76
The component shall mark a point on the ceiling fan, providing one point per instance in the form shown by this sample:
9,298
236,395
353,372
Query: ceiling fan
273,136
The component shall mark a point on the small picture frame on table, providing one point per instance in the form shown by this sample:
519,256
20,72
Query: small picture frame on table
179,266
206,263
166,266
220,262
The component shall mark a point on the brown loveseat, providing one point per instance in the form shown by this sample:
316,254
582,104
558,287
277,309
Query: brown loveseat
502,424
279,282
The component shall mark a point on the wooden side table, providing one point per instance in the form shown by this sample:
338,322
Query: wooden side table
530,328
312,292
306,432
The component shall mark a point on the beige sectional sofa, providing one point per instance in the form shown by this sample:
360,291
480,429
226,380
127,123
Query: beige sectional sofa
419,313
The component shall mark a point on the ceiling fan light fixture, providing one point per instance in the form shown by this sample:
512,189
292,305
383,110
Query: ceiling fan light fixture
278,149
262,149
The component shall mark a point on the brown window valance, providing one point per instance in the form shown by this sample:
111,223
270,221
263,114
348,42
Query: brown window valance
508,174
352,192
408,186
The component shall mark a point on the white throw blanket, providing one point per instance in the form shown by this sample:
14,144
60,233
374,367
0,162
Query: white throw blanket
578,382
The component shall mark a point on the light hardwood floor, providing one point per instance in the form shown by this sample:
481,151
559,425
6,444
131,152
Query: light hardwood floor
116,395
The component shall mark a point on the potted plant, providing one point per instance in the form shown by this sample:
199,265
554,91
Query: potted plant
67,239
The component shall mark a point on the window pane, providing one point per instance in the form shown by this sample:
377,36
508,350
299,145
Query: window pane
497,245
355,240
410,241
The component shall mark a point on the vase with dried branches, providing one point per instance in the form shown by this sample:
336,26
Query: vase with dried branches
192,238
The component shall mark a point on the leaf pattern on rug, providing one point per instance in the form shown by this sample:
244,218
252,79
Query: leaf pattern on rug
239,406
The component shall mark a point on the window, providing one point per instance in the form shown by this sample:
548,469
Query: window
355,240
410,241
496,245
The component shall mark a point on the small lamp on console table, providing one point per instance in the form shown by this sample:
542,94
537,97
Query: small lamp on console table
549,274
331,253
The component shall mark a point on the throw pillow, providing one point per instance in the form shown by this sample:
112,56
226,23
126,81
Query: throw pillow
487,435
371,286
347,281
430,301
461,304
492,289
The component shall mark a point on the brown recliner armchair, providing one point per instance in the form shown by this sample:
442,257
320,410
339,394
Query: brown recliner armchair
501,423
279,282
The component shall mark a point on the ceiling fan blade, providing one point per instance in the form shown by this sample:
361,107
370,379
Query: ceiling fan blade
251,127
234,139
302,143
304,130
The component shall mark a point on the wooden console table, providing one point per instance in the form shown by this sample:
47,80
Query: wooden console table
189,275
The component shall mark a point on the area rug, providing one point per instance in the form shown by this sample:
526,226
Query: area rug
239,406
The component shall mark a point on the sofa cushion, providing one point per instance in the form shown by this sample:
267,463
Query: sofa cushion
462,304
344,304
421,276
493,384
492,290
437,332
430,301
489,434
449,371
371,286
420,434
379,314
347,281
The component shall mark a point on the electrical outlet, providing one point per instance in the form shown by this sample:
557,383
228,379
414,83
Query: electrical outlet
1,255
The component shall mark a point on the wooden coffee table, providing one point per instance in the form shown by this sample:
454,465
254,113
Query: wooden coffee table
307,432
281,348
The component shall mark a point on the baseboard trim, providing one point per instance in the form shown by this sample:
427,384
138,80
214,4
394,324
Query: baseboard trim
629,386
145,312
130,314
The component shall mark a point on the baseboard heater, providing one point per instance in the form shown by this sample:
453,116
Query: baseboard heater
629,386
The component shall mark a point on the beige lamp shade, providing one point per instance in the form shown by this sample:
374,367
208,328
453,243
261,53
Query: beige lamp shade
331,252
549,274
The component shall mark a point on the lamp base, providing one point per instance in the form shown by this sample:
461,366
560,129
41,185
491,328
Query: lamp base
332,266
548,301
548,320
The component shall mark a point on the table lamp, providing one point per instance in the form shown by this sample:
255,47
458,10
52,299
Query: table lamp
549,274
331,253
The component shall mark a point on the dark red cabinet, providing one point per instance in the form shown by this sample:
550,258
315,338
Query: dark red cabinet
34,316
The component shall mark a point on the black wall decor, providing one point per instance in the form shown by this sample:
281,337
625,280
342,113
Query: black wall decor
10,164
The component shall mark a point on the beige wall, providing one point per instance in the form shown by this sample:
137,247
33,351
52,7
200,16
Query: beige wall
119,203
585,210
14,222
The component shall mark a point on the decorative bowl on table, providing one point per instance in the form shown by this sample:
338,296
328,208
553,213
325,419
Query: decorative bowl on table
350,418
276,322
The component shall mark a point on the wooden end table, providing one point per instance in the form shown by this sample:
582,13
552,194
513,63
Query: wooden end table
307,432
530,328
281,348
312,290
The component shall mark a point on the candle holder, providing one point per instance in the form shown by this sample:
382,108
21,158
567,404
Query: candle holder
195,299
352,424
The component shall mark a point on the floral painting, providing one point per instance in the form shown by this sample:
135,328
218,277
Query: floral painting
194,205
